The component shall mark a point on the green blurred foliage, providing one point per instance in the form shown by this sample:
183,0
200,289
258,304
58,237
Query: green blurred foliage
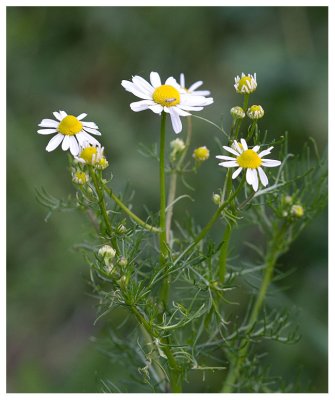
74,58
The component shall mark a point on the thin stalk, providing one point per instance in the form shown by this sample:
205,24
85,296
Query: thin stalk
173,180
133,216
175,380
224,253
245,102
271,259
102,206
162,216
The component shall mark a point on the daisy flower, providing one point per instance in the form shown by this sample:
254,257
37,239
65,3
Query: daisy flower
250,160
192,89
169,97
71,131
245,84
92,155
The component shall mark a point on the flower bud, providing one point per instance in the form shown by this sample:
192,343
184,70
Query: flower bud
237,112
107,253
123,261
297,211
201,154
255,112
216,199
288,199
245,84
80,177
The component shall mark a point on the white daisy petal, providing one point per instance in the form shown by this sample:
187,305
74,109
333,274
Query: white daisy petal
156,108
130,87
57,115
140,82
201,93
256,148
91,130
141,105
225,158
265,152
155,79
237,173
48,123
230,150
176,122
90,125
244,144
250,176
195,86
182,80
181,112
81,137
172,82
66,143
229,164
189,108
46,131
63,114
90,139
263,177
74,148
54,142
237,147
255,181
270,163
81,116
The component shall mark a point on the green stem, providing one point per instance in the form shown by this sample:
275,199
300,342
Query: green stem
133,216
239,359
245,102
102,206
162,215
173,180
224,253
175,380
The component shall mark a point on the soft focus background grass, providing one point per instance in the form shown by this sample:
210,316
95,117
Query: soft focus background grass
74,59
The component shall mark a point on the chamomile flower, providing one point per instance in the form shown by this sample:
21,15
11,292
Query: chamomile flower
71,131
250,160
92,155
246,84
169,97
193,88
201,153
80,177
237,112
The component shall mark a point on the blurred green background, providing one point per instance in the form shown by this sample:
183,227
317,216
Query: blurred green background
74,58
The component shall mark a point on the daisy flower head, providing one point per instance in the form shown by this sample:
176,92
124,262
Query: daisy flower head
169,97
245,84
92,155
250,160
255,112
71,131
80,177
193,88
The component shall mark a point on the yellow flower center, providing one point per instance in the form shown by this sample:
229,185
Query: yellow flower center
166,95
80,177
201,153
70,125
87,154
243,82
249,159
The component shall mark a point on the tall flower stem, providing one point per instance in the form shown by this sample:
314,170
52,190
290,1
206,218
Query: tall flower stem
102,206
173,180
162,215
174,375
239,358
